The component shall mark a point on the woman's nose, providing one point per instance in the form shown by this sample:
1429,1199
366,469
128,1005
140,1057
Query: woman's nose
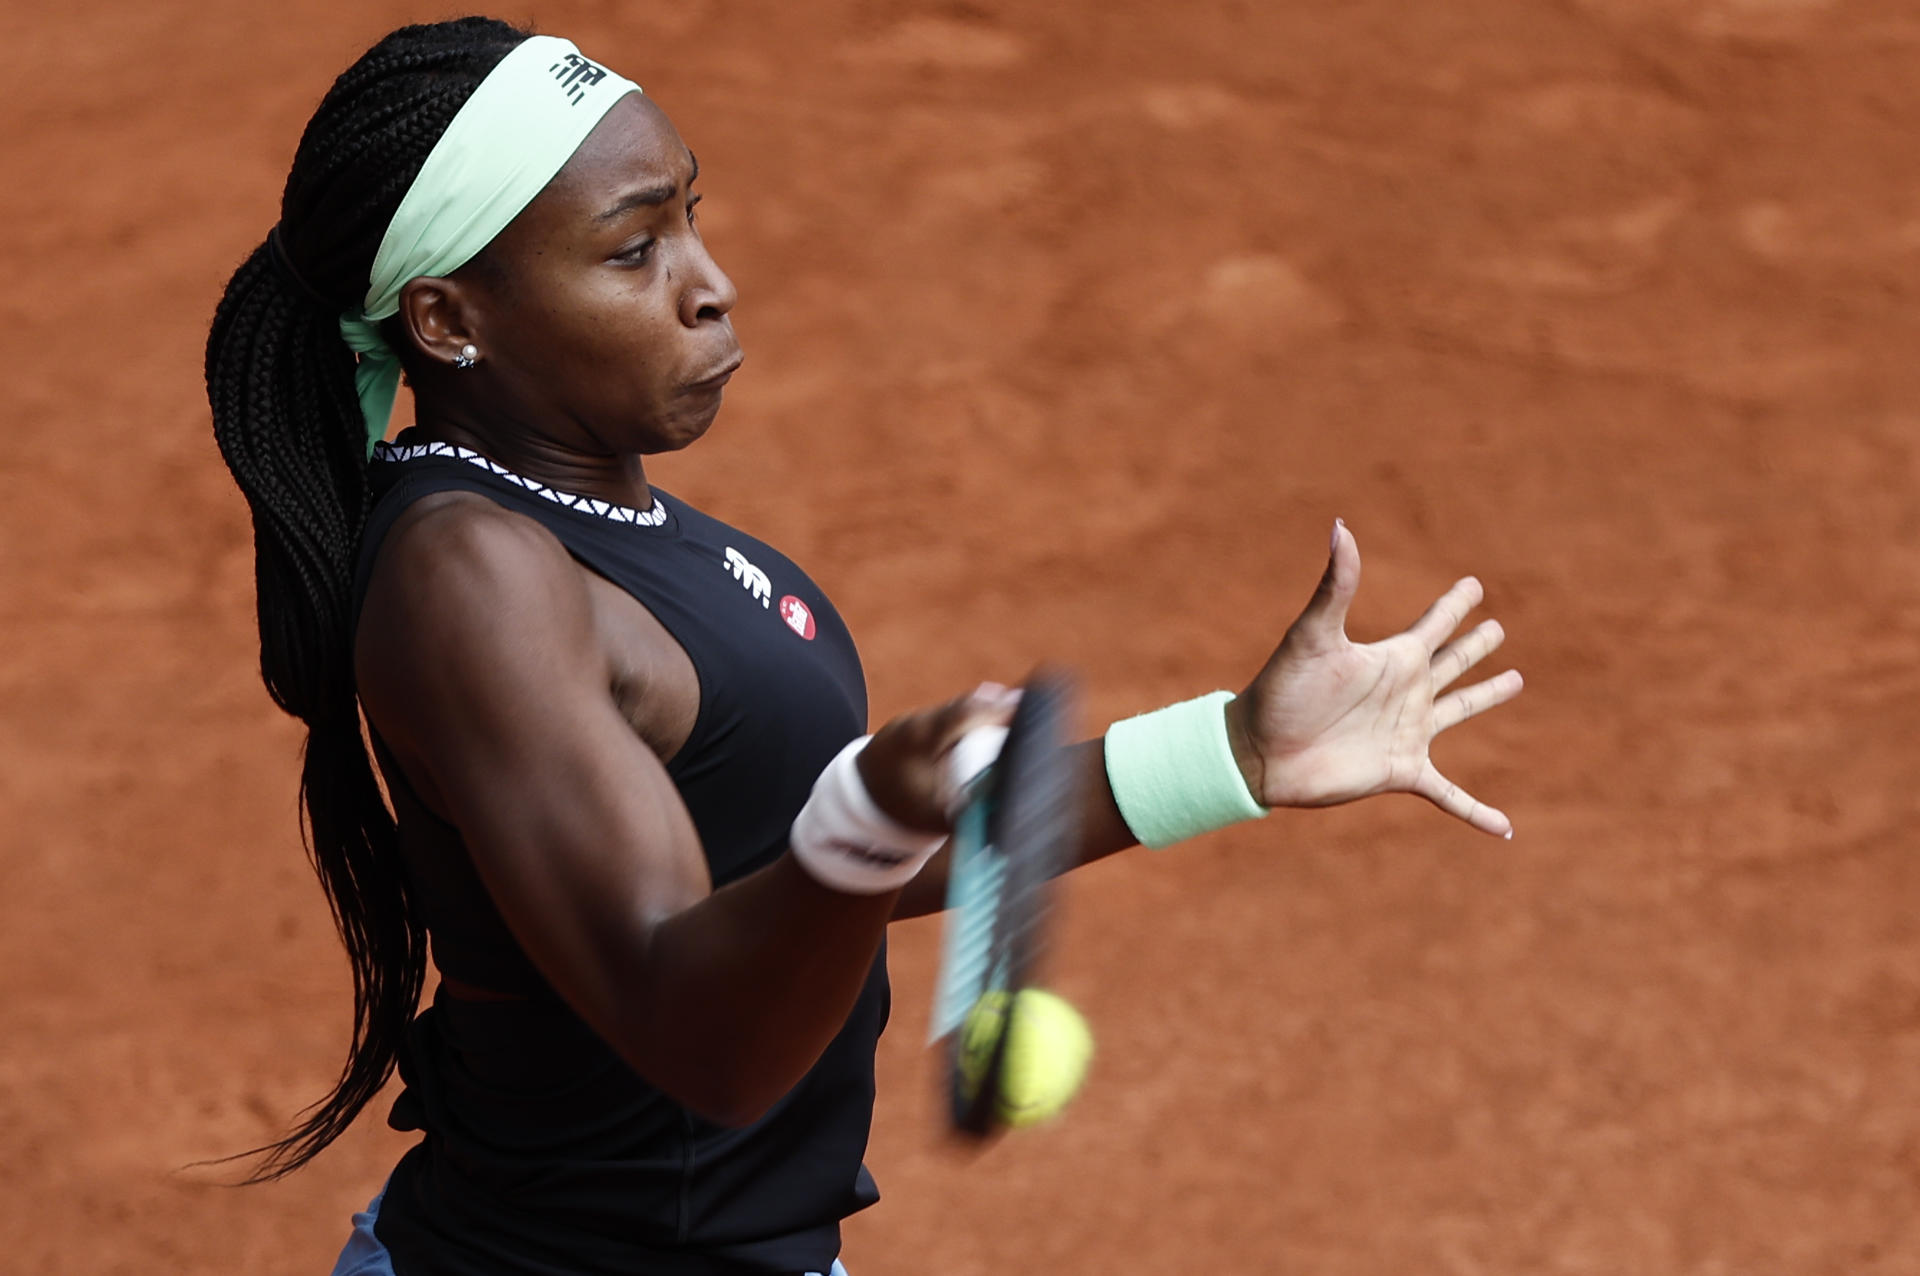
710,295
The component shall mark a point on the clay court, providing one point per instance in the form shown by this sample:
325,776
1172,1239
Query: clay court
1070,329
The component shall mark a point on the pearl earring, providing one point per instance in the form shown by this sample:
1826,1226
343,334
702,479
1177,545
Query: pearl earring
468,356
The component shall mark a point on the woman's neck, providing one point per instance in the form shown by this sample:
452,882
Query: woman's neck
620,478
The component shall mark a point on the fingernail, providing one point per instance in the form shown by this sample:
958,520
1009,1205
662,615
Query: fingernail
1508,835
1337,525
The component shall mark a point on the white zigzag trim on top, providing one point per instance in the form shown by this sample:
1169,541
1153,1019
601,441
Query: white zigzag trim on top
605,509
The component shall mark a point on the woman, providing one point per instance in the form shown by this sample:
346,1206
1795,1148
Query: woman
631,804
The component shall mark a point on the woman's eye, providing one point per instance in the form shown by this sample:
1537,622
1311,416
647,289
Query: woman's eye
692,204
636,255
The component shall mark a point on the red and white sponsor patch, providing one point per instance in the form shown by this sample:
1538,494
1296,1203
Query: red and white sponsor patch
798,615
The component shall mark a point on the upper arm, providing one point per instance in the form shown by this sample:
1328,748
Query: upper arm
479,663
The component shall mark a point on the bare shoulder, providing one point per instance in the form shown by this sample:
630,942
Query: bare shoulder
453,550
469,601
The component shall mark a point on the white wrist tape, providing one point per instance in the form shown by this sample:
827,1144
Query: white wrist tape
846,842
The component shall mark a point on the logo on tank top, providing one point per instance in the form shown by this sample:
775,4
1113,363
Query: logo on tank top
577,75
752,578
798,615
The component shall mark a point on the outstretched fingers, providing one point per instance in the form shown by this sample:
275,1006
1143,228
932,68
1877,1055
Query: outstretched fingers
1447,612
1460,804
1464,652
1456,707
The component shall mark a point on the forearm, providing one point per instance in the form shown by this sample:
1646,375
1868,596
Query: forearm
749,984
1102,830
727,1003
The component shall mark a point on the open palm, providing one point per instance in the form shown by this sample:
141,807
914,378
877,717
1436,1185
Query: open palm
1329,720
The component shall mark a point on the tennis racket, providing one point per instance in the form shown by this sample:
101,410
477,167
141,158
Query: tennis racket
1017,821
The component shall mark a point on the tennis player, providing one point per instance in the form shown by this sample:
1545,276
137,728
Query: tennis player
632,806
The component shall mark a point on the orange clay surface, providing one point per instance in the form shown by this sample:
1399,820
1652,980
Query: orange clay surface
1071,328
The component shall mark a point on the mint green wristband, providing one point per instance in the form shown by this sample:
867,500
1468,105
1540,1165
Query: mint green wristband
1173,773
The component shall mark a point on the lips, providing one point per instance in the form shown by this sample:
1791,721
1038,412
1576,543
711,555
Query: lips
721,375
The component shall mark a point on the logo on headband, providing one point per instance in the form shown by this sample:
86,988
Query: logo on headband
577,75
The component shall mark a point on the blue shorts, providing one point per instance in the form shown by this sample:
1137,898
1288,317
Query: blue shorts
364,1255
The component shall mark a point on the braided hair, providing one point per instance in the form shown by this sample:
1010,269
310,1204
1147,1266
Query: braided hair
280,384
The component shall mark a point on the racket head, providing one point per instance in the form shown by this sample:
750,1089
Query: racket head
1010,840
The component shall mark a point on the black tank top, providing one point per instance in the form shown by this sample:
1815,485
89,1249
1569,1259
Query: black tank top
543,1151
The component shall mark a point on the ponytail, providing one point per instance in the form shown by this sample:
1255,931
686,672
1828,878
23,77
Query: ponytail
287,419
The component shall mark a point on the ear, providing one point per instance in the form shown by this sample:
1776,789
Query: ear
440,316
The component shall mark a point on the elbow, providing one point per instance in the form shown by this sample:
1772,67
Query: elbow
733,1102
727,1083
735,1115
734,1088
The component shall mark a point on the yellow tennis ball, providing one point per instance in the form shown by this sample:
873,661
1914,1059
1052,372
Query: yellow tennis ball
1047,1052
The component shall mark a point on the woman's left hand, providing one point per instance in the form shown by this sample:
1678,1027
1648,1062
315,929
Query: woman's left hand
1329,720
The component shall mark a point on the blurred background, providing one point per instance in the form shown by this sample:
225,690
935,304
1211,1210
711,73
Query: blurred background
1070,330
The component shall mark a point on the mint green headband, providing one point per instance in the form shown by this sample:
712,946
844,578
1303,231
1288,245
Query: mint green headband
517,130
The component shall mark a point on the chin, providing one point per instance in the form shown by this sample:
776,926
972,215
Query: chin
682,431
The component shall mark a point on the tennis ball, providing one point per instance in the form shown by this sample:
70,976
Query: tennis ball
1048,1048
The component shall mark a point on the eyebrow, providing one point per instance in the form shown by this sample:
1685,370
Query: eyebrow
649,197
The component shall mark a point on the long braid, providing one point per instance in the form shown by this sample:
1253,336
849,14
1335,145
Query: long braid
280,385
